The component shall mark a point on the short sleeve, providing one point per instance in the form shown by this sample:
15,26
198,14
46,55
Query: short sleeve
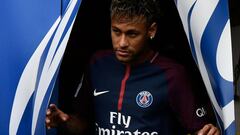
190,109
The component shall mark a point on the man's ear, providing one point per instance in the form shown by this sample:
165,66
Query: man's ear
152,30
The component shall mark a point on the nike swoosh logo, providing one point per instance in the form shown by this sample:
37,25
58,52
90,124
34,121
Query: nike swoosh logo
95,93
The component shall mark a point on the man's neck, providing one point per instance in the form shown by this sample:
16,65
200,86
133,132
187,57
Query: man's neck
146,55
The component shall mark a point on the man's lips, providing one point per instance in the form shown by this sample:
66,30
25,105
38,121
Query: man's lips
122,53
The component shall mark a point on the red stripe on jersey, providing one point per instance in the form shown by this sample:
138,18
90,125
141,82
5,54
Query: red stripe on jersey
123,87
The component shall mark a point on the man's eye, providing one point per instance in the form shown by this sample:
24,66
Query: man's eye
116,31
132,35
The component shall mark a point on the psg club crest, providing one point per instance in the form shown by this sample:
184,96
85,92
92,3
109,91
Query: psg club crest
144,99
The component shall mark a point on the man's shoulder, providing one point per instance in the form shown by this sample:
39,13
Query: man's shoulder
167,63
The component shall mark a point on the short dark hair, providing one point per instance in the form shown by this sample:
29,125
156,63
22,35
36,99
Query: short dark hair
134,8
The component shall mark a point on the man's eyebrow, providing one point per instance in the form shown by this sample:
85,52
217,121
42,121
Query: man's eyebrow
132,31
114,27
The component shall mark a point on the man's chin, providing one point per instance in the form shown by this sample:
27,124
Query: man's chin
124,60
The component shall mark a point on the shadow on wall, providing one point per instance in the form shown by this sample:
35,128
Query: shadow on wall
90,32
235,31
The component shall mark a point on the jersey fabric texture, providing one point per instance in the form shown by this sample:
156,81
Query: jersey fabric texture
151,98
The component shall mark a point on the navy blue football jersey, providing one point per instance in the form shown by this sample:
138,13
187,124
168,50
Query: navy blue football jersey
151,98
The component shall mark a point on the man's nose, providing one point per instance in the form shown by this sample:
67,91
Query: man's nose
123,41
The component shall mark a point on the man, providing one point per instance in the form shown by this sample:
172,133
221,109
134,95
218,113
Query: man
133,90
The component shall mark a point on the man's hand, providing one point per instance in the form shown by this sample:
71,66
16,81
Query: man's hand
55,116
209,129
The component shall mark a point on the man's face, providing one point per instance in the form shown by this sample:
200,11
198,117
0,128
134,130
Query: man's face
129,39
